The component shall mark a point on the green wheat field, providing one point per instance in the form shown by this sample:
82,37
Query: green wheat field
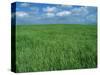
55,47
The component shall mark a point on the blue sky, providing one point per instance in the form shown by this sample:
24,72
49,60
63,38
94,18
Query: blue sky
37,13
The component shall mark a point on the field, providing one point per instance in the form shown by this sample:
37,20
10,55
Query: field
55,47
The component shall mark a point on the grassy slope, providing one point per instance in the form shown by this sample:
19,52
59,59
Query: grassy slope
55,47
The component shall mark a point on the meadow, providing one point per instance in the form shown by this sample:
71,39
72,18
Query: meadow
55,47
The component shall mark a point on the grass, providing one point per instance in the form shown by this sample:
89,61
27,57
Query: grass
55,47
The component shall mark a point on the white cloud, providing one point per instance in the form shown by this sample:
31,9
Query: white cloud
66,6
49,9
24,4
63,13
91,17
34,9
21,14
50,14
80,11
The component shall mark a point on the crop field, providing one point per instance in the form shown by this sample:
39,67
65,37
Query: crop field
55,47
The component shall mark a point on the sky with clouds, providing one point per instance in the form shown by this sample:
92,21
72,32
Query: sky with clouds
37,13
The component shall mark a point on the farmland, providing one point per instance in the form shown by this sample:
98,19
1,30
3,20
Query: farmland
55,47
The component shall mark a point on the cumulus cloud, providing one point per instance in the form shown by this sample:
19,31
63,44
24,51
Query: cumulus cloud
49,9
24,4
21,14
92,17
66,6
80,11
31,13
50,14
63,13
34,10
